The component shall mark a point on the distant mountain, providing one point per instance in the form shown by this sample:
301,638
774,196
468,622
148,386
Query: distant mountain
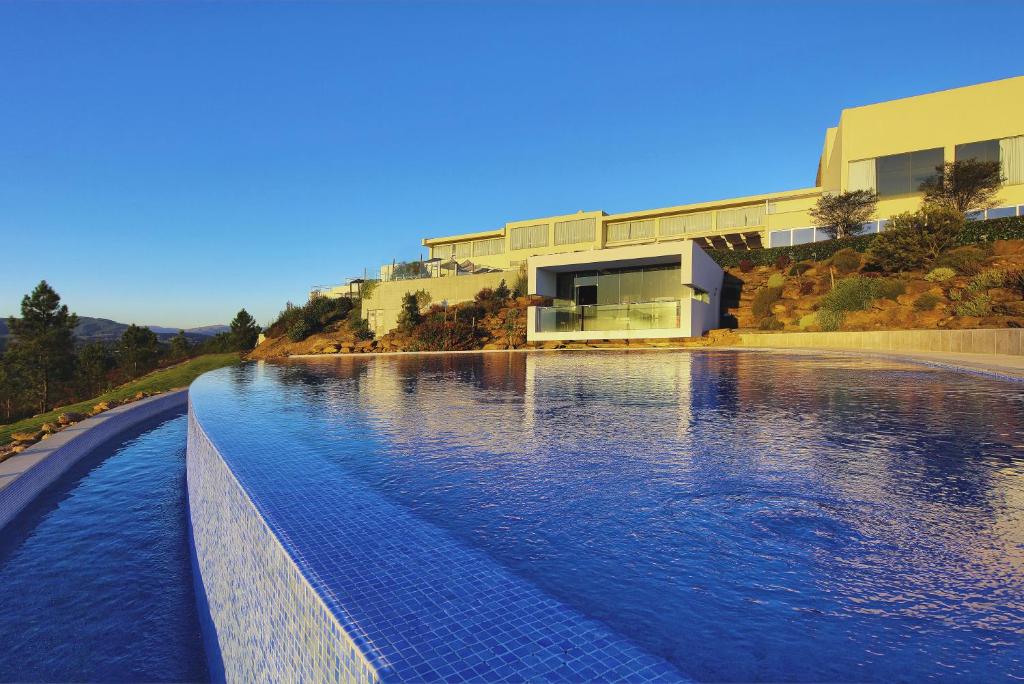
106,330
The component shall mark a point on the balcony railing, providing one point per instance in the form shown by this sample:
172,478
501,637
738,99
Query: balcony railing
662,315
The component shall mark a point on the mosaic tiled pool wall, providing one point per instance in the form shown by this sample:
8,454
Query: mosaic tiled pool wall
285,540
269,622
55,455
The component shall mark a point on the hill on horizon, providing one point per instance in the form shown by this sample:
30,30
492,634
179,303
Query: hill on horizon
105,330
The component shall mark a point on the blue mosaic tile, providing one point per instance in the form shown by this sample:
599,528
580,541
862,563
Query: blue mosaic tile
330,581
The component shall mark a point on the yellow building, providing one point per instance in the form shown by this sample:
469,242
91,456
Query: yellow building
888,147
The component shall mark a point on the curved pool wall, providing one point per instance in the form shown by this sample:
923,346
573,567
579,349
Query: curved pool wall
25,475
265,620
341,584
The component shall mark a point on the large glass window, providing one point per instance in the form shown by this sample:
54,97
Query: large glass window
801,236
622,285
986,150
525,237
902,174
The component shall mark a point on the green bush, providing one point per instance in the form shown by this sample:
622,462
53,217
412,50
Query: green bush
979,305
808,320
776,280
1015,280
916,239
857,292
940,274
846,260
966,260
974,232
299,330
763,300
993,277
829,320
771,323
926,302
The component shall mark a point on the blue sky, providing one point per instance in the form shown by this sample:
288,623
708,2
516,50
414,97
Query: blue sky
168,163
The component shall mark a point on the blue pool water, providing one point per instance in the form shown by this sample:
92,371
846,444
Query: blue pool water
95,574
743,515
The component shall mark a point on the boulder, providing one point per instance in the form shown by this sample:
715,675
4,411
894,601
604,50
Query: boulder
50,428
101,407
70,417
140,395
27,436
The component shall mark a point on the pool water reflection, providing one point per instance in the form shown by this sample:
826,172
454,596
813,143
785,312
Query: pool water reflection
745,515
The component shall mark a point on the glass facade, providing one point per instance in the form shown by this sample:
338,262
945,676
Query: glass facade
986,150
639,298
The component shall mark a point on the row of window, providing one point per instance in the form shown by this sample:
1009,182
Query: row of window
902,174
802,236
469,249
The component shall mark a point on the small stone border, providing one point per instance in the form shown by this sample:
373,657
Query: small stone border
24,475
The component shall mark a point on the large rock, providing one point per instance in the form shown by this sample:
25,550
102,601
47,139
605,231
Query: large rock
27,436
70,417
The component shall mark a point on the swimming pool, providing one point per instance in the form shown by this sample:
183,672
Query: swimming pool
95,572
735,515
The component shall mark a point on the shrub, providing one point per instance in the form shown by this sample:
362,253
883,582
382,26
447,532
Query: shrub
829,320
846,260
1015,280
940,274
746,265
857,292
409,316
844,213
806,287
966,260
763,300
502,292
521,284
993,277
299,330
771,323
776,280
782,261
800,268
926,302
808,320
488,301
444,333
916,239
979,305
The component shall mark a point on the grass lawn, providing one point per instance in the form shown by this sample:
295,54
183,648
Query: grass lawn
161,380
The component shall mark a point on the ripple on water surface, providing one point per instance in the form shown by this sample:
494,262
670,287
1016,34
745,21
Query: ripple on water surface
747,516
95,574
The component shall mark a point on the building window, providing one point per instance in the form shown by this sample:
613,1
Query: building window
741,217
902,174
463,250
801,236
528,237
862,175
1011,156
488,247
575,231
687,223
986,150
779,238
445,252
631,230
1002,212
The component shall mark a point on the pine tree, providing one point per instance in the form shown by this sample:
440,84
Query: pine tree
180,346
95,361
139,350
44,343
244,331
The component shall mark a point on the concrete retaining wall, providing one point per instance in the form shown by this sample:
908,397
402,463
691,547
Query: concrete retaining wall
1004,341
25,475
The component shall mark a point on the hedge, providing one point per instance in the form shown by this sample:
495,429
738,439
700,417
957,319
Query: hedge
1011,228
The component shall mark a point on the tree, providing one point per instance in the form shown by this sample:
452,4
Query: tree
12,386
409,317
180,347
842,215
244,331
95,361
139,350
44,342
502,292
963,185
917,239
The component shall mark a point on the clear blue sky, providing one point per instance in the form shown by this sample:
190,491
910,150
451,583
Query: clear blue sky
167,163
